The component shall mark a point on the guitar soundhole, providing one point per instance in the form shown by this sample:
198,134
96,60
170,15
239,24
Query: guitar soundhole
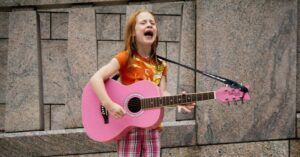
134,105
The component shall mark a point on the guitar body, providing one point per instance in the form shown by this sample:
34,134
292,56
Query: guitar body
94,123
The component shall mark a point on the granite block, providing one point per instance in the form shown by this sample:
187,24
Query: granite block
169,114
59,25
47,117
23,95
294,148
45,25
187,55
113,9
173,69
167,8
107,50
2,117
81,60
108,26
54,55
168,27
178,133
123,26
57,117
161,49
298,83
273,148
253,43
131,8
3,68
4,21
49,143
298,125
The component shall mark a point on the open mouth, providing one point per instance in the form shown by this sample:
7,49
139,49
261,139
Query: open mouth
148,34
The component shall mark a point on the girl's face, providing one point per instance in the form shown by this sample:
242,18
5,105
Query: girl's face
145,29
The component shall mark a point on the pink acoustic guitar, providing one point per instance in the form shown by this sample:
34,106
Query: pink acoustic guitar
143,104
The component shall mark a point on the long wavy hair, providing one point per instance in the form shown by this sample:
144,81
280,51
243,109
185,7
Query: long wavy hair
129,38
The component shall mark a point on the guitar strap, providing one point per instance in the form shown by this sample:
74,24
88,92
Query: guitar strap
231,83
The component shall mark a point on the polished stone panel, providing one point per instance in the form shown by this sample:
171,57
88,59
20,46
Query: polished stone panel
172,73
178,133
295,148
23,99
81,60
255,43
4,21
45,25
75,141
59,25
167,8
54,55
274,149
107,50
108,26
3,68
57,117
168,27
2,117
186,77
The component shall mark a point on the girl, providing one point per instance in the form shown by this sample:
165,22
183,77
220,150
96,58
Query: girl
136,62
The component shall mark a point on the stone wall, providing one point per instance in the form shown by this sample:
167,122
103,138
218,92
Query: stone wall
50,49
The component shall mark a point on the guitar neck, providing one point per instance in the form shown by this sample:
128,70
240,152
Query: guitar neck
175,100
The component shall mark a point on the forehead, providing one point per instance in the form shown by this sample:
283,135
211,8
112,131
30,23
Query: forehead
144,16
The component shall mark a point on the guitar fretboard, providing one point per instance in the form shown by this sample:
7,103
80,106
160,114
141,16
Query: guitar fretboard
175,100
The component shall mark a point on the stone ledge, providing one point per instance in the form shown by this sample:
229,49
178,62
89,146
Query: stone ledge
75,141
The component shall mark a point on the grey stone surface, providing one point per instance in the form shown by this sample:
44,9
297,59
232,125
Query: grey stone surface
187,54
17,3
107,50
298,125
59,25
75,141
253,43
49,143
54,55
81,60
114,154
120,9
4,21
168,27
179,133
3,68
298,83
47,117
108,26
294,148
172,74
23,104
131,8
2,117
274,149
57,117
169,114
168,8
123,26
45,25
161,49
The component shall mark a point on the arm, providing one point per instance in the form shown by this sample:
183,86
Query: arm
97,82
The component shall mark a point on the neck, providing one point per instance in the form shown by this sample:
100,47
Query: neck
144,50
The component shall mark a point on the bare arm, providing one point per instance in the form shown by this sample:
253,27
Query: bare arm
97,82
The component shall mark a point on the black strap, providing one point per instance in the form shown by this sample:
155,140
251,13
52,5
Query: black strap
231,83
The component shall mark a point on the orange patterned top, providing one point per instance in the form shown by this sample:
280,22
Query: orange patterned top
139,68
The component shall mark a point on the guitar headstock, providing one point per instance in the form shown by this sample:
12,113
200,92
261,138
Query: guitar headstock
227,94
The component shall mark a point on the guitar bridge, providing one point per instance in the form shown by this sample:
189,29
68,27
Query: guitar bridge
104,113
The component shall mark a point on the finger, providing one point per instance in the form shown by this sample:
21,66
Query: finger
186,109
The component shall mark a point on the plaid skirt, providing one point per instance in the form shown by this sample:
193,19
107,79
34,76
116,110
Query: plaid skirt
140,142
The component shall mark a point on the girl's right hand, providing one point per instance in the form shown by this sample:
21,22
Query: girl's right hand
116,110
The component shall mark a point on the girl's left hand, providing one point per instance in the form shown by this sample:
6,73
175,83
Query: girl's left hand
186,107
